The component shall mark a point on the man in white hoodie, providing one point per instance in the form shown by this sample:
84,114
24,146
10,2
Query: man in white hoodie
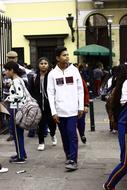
66,98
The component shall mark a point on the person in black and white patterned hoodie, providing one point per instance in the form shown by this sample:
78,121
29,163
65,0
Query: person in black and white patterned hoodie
16,98
12,56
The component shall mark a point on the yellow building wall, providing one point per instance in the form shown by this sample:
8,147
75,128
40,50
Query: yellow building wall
49,17
41,19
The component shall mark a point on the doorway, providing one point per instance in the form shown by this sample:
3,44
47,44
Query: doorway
97,30
48,52
44,45
97,33
123,39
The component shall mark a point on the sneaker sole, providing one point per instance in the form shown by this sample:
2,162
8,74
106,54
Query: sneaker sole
14,157
54,144
71,168
18,162
40,149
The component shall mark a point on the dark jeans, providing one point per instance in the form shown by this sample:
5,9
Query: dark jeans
46,120
81,125
11,122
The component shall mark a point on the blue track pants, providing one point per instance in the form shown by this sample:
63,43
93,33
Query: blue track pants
121,169
18,134
67,127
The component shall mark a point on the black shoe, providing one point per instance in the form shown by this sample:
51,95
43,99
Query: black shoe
10,138
13,157
45,135
16,156
31,135
17,161
71,165
83,139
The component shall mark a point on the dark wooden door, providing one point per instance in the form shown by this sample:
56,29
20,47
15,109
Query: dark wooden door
44,46
48,52
97,35
123,44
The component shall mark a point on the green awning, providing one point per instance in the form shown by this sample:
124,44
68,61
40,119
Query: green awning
93,50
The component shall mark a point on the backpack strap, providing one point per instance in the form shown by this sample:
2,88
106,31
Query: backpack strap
27,94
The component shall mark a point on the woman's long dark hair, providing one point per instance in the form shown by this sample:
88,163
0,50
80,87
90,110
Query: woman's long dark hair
120,78
13,65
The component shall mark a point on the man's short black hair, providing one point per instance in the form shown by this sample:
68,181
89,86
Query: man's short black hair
59,50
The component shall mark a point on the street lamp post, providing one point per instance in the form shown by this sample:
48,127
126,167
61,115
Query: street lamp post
70,20
110,19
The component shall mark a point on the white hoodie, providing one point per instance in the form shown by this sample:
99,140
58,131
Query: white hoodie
65,91
123,99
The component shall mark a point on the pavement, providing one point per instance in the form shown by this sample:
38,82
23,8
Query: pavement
45,170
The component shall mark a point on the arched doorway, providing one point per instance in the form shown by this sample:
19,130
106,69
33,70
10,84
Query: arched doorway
97,30
123,39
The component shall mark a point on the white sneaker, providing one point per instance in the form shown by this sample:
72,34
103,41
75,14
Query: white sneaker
41,147
3,170
48,130
114,131
54,140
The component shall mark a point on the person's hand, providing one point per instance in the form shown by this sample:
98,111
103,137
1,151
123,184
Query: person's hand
80,113
56,118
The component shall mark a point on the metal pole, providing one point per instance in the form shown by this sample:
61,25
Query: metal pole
77,30
92,123
91,105
110,48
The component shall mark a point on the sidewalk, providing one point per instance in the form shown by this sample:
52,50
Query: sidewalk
45,170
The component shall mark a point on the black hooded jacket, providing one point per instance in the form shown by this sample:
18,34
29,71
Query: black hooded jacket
37,94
